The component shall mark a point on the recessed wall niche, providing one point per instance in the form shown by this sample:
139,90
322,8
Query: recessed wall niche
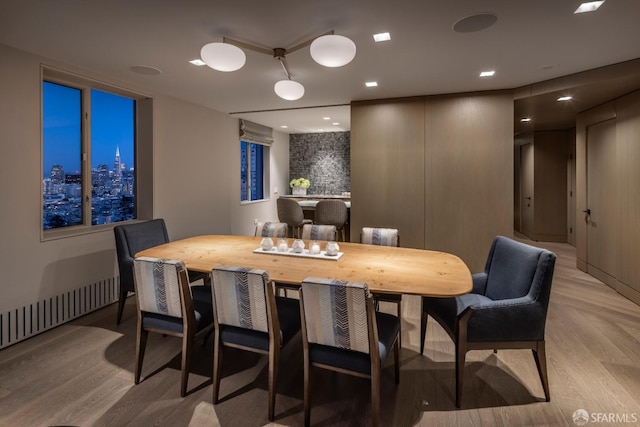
322,158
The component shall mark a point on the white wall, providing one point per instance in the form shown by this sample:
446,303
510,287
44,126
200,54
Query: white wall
196,185
244,214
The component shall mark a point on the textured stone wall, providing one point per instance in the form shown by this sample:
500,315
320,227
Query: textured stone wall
322,158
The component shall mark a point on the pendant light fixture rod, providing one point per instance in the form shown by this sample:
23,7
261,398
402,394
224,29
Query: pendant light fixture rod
249,46
278,54
244,45
308,42
284,67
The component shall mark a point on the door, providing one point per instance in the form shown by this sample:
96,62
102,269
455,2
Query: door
571,194
602,200
526,190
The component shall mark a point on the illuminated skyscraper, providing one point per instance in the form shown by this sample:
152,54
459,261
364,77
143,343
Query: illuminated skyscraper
116,179
117,166
103,182
57,174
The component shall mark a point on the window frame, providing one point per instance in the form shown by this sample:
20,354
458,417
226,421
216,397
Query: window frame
143,148
266,162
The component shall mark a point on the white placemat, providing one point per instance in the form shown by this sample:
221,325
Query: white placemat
304,254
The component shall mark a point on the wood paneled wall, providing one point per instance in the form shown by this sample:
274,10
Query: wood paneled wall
545,215
387,168
622,201
628,134
438,168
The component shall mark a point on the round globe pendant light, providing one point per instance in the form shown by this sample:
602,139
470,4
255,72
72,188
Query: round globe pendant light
223,56
333,50
289,90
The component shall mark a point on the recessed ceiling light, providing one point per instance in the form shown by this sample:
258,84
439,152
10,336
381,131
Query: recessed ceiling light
382,37
525,119
284,126
475,23
335,123
326,118
146,70
589,6
565,98
198,62
371,84
488,73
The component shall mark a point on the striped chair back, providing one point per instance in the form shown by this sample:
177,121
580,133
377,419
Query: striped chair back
318,232
158,285
379,236
240,297
271,229
335,313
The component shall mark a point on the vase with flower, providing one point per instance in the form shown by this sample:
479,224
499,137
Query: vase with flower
299,186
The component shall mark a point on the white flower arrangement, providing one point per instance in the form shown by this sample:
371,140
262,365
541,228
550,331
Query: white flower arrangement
300,182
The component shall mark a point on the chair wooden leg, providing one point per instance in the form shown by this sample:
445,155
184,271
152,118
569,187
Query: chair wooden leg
121,302
399,308
375,397
141,344
307,394
274,356
187,339
396,359
461,353
217,362
206,336
540,357
423,327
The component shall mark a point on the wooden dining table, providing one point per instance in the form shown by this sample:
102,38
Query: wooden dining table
392,270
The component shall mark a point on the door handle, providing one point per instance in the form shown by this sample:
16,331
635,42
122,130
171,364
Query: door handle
587,211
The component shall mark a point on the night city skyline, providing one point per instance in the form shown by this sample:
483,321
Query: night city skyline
112,174
112,126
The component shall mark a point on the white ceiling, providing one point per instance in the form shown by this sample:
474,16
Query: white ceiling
531,42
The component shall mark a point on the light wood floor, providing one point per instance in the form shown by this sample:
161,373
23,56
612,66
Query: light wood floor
80,374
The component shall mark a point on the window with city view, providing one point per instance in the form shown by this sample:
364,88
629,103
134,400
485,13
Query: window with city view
79,188
252,170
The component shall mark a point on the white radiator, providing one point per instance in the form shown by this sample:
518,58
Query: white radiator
23,322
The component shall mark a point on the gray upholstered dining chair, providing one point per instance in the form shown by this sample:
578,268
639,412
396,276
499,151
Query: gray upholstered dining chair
250,317
342,332
332,212
131,239
384,237
166,304
290,212
271,229
318,232
507,308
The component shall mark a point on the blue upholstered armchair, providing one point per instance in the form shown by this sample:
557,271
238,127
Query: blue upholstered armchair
506,309
136,237
131,239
